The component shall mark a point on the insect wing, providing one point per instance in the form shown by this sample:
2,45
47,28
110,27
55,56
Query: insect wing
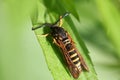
72,68
83,62
81,58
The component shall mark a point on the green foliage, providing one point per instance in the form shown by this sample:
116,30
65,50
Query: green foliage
111,21
96,21
53,56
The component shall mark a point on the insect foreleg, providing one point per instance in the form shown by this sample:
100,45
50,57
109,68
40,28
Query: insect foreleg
43,35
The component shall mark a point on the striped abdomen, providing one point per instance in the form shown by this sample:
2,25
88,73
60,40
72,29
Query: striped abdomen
72,53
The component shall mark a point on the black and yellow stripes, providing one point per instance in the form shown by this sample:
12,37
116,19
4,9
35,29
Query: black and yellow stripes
67,44
75,58
66,41
72,53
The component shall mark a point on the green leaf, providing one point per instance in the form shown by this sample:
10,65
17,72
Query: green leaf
61,6
111,20
54,58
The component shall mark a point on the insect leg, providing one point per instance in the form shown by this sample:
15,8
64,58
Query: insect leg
54,41
43,25
60,22
43,35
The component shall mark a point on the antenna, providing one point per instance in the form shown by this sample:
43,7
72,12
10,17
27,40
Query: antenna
48,24
43,25
64,15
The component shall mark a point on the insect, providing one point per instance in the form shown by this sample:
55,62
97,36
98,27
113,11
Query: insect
64,41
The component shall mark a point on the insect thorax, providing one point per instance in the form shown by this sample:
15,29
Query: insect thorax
58,32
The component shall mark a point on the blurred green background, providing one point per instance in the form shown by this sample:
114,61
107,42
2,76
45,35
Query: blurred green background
21,57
